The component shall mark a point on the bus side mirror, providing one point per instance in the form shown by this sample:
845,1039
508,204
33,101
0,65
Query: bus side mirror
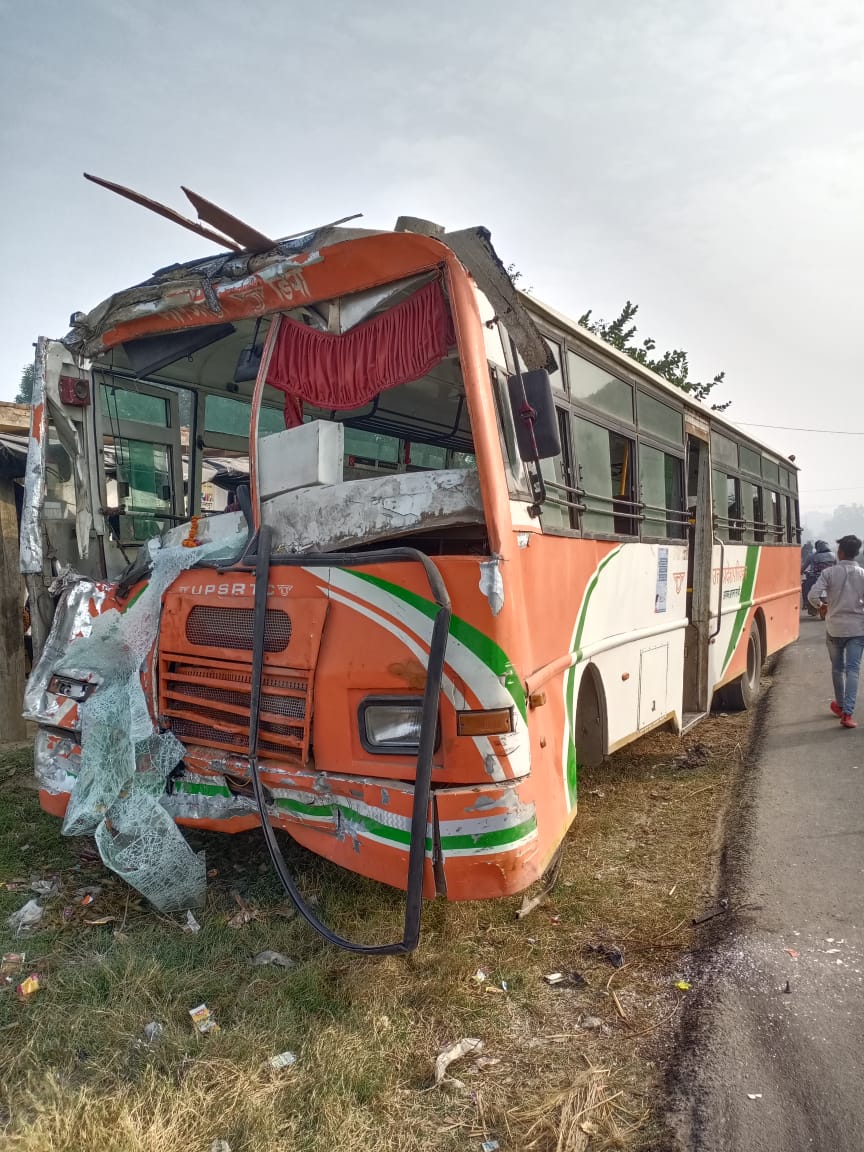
541,413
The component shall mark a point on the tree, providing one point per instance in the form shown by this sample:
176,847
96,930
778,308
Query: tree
674,365
25,388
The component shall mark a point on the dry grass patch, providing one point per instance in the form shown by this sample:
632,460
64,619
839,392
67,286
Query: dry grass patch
79,1076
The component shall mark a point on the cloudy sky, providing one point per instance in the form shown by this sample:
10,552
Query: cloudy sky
703,160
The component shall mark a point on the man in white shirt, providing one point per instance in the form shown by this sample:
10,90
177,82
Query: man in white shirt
842,589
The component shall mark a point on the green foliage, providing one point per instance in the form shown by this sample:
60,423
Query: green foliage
673,365
25,388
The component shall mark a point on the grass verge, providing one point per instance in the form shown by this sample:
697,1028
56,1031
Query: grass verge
79,1075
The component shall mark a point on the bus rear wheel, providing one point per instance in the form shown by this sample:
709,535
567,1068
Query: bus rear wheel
743,693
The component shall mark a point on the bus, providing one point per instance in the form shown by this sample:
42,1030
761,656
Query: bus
347,538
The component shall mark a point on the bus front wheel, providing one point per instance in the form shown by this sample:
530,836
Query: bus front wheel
742,693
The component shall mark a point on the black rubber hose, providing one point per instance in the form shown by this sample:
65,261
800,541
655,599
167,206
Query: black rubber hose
423,774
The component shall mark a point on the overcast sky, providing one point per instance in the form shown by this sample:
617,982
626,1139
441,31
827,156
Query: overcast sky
703,160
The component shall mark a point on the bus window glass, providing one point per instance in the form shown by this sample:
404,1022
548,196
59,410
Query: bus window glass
605,463
369,452
662,493
659,419
557,475
758,512
771,470
784,478
727,506
750,461
733,507
597,388
724,451
517,481
424,457
231,417
790,533
556,378
142,407
776,518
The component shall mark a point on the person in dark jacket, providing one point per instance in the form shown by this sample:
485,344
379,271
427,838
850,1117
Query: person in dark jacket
813,568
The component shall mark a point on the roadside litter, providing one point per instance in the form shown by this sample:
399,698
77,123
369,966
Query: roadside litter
609,952
203,1020
11,964
276,959
191,924
28,986
571,979
46,888
458,1050
26,918
153,1031
283,1060
242,918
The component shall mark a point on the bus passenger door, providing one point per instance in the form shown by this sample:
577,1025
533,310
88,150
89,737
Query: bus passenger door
700,538
138,427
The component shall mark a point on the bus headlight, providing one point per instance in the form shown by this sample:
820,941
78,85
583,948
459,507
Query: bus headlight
391,725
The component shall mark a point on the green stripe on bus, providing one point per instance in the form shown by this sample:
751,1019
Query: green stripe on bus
572,764
484,648
745,601
496,838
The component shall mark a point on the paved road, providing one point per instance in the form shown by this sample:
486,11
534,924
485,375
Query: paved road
796,850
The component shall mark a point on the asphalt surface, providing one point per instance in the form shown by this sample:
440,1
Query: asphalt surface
795,856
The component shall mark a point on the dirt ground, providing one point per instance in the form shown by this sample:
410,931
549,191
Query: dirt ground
579,1065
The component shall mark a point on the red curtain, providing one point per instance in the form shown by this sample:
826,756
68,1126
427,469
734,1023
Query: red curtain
346,371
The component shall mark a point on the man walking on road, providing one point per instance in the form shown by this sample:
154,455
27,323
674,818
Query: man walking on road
843,589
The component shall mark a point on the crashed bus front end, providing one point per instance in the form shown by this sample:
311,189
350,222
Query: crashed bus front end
341,402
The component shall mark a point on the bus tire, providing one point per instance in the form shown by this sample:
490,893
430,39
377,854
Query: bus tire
743,693
590,733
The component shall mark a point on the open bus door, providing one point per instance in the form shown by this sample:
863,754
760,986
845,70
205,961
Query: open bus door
700,535
138,434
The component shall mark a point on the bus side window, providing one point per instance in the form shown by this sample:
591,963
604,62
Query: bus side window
777,517
559,511
727,506
605,467
660,486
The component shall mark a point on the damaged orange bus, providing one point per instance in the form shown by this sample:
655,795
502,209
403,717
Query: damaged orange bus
343,536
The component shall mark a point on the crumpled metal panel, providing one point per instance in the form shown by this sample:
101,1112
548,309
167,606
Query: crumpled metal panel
473,248
180,286
30,558
56,762
71,440
79,600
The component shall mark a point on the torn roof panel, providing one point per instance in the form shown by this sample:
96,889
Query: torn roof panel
239,285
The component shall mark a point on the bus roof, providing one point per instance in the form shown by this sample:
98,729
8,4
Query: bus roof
565,325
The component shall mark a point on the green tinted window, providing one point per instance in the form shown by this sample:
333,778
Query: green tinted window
427,456
724,451
121,404
605,470
771,470
750,461
231,417
597,388
371,447
662,491
659,419
557,377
